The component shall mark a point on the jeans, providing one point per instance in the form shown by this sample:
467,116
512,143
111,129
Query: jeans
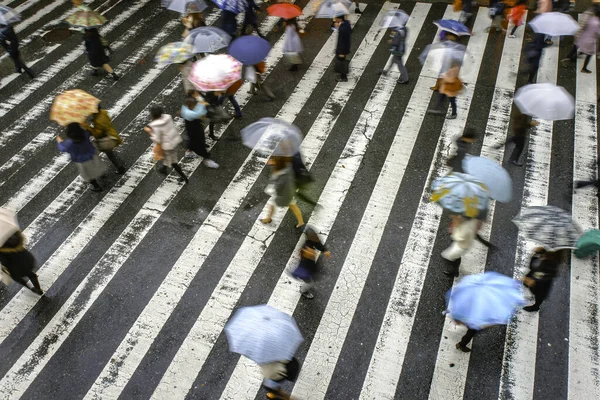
233,101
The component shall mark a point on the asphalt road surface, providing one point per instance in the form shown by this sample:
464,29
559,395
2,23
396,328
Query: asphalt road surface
142,277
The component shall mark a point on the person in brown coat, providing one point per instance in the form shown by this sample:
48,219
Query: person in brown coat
450,86
106,137
19,262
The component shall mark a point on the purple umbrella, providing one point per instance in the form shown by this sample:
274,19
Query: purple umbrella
249,50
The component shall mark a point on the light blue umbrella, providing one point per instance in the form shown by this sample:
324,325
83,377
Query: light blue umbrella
263,334
492,174
461,194
452,26
481,300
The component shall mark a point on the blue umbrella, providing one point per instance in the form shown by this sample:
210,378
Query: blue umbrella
249,50
481,300
492,175
452,26
235,6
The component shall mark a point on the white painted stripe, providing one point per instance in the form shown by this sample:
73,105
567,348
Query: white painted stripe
38,14
518,365
246,378
30,63
584,357
451,366
28,3
390,349
44,77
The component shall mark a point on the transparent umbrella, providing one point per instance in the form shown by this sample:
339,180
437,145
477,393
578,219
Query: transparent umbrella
394,19
8,16
185,6
272,136
208,39
8,224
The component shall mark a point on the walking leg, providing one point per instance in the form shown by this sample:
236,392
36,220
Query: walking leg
211,131
36,283
269,217
516,154
236,106
182,176
298,214
453,106
513,30
95,186
462,345
115,161
403,71
588,57
306,287
110,71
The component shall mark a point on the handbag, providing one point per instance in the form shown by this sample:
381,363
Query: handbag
341,66
105,143
455,86
293,58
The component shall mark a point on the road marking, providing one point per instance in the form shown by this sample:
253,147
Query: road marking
451,366
518,364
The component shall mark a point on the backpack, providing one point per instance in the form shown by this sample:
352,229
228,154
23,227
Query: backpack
303,176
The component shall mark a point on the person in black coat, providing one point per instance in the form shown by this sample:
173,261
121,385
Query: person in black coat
543,268
10,42
96,47
521,125
228,23
192,111
534,51
307,268
343,47
250,18
19,262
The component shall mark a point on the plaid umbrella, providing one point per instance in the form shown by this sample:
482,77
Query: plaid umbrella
235,6
285,11
215,73
185,6
550,226
86,19
8,16
460,194
208,39
174,53
73,106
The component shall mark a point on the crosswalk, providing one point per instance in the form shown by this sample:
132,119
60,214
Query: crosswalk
142,278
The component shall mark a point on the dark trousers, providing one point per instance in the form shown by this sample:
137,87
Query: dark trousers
32,277
233,101
533,69
519,142
573,53
467,338
514,29
452,102
344,68
113,159
540,291
588,57
19,64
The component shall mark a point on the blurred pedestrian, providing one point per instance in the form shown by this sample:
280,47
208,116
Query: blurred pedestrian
496,13
185,68
19,263
281,188
463,145
534,51
543,268
10,43
230,95
520,128
447,61
250,18
96,48
343,47
83,154
545,6
253,75
106,137
214,109
192,112
583,20
587,41
229,23
292,45
463,232
192,21
275,373
397,48
450,87
307,270
517,16
162,131
467,337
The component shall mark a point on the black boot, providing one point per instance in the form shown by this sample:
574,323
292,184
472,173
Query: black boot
37,289
115,76
182,177
95,186
454,268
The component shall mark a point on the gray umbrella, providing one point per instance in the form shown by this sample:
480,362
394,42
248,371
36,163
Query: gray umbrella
208,39
550,226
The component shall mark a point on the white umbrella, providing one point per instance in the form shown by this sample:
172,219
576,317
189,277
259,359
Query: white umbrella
272,135
394,19
263,334
332,10
554,24
545,101
208,39
185,6
492,174
8,225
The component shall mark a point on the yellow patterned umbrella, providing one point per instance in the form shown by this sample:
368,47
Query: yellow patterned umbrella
73,106
86,18
174,53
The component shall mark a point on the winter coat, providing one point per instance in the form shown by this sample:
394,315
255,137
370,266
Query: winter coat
102,126
95,50
80,152
451,85
9,40
282,182
398,46
194,127
343,42
17,260
292,42
583,20
165,133
517,13
586,42
521,125
464,234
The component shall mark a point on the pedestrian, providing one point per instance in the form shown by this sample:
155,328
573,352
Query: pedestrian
192,112
545,6
463,232
230,95
520,128
229,23
96,47
449,40
281,188
534,51
10,43
450,87
466,10
215,111
250,18
275,373
496,13
583,20
253,75
343,47
292,45
162,130
83,154
463,144
467,337
517,16
543,268
106,138
19,263
185,68
307,270
397,48
587,41
192,20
